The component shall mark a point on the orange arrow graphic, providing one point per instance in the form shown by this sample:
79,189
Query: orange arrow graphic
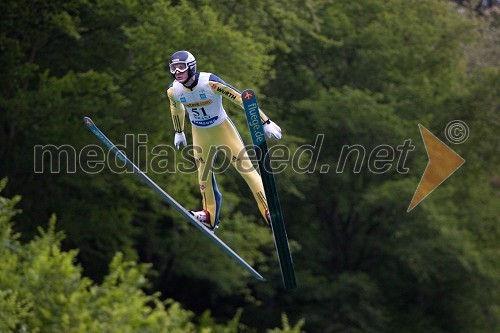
443,162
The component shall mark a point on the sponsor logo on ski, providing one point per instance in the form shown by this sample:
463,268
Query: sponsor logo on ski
254,122
248,96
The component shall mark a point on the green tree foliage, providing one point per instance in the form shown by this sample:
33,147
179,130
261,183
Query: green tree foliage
333,75
43,290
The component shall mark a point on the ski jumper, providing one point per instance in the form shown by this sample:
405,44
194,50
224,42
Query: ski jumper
213,132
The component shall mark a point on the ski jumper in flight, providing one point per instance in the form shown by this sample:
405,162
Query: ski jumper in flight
200,94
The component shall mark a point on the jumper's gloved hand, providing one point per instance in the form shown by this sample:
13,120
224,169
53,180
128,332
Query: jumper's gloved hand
179,140
272,130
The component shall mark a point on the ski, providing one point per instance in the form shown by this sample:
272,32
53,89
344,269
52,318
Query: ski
277,224
208,233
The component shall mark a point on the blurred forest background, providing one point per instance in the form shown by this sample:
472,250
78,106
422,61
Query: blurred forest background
100,252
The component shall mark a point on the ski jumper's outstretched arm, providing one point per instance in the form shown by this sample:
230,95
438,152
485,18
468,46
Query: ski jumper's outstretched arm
229,92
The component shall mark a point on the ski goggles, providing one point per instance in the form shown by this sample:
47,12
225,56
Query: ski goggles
180,66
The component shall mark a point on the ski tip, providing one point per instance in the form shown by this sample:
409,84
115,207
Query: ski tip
88,121
248,94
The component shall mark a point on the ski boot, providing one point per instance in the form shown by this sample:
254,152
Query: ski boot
203,216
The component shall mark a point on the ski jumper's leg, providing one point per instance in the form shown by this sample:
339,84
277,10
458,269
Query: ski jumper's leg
205,151
241,161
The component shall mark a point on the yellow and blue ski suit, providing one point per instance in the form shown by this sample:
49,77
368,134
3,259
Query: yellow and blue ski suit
214,131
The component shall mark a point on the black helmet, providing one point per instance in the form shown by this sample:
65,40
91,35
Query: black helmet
182,61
